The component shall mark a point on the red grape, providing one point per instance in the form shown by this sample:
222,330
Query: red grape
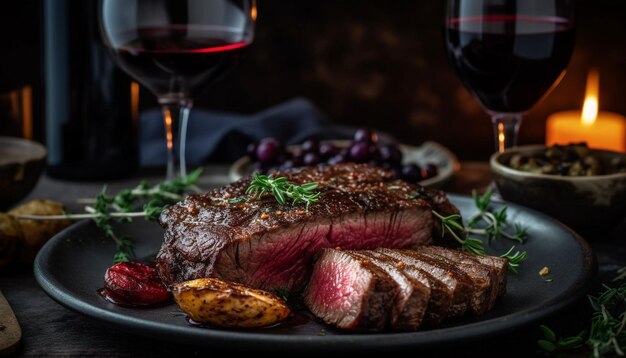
311,159
359,152
310,146
365,135
411,173
268,151
390,153
430,170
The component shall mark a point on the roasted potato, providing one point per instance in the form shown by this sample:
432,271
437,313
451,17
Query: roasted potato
10,238
37,232
228,304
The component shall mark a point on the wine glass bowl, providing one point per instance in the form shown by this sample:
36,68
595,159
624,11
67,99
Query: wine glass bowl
509,54
175,48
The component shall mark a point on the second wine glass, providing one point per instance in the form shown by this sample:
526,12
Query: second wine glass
509,54
175,48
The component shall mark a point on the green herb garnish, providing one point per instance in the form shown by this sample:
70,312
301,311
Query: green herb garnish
496,220
496,223
607,331
284,191
122,207
557,346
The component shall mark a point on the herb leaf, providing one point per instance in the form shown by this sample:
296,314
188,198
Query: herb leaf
496,222
283,190
122,207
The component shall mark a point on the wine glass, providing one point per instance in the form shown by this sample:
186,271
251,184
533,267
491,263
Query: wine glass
509,54
175,48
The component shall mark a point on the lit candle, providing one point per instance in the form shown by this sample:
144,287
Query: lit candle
600,129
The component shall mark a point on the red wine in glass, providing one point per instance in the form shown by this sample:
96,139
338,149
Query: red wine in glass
509,62
175,48
509,54
167,60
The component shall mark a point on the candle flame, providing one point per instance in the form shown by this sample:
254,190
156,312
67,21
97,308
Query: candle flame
253,11
501,137
590,107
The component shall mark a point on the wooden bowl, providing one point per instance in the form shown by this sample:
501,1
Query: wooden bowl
585,202
21,164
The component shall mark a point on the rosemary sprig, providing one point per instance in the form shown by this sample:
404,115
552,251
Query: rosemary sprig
453,225
496,221
607,331
283,190
557,346
122,207
515,259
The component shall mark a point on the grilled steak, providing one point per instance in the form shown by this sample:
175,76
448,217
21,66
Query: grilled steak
344,289
265,245
440,293
449,275
350,292
495,266
410,304
481,279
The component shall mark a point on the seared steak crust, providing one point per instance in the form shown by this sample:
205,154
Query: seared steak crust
268,246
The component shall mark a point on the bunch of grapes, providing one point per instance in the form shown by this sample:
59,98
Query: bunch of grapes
269,153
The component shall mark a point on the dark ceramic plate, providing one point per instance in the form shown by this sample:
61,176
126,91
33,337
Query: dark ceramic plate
70,268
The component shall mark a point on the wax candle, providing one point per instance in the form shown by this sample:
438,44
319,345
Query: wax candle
600,129
608,131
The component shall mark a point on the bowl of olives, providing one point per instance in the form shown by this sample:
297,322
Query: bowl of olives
580,186
429,164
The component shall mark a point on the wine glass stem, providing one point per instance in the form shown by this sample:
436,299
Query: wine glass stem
505,128
175,117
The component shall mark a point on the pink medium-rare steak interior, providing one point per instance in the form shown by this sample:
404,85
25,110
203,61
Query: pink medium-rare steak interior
268,246
350,292
282,260
336,287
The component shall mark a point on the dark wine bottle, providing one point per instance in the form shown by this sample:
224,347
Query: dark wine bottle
90,105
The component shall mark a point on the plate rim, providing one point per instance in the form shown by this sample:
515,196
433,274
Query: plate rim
234,170
361,341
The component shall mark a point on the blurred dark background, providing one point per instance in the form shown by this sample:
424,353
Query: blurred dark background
363,63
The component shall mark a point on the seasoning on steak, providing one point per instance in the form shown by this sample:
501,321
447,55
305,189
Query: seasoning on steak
410,304
264,245
350,292
343,280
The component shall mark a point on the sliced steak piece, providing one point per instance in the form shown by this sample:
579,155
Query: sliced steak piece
410,304
495,265
264,245
456,281
481,276
440,294
501,266
349,292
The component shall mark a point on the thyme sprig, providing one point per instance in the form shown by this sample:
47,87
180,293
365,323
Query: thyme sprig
123,207
496,222
607,331
284,191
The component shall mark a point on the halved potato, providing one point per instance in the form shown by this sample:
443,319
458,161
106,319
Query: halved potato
228,304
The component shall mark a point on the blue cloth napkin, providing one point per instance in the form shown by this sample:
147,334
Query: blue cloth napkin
223,137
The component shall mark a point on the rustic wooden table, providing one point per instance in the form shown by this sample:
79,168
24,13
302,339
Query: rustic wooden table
51,329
